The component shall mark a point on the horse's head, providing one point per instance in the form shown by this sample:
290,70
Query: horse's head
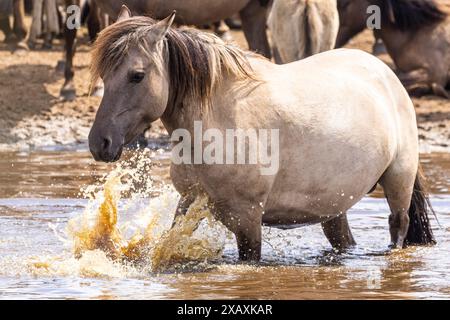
128,56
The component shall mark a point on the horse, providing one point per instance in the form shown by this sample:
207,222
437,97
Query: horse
416,36
345,124
193,12
302,28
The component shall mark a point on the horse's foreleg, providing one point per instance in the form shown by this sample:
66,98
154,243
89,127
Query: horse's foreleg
19,19
254,22
338,232
418,83
245,221
94,21
183,206
19,26
36,24
68,91
6,28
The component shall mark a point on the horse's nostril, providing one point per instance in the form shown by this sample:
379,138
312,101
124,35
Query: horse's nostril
106,143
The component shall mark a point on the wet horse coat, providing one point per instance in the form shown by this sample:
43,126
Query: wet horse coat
346,123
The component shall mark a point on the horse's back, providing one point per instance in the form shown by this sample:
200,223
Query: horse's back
354,72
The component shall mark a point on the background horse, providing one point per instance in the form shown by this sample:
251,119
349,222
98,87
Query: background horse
416,34
302,28
253,14
332,151
353,19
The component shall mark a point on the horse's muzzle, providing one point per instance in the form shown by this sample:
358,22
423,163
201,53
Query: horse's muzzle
104,149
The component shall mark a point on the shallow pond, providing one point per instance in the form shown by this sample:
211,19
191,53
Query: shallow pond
40,193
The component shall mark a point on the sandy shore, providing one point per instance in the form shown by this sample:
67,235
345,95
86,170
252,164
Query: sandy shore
33,116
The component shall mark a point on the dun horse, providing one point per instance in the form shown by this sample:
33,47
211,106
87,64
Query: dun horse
332,150
302,28
191,12
416,34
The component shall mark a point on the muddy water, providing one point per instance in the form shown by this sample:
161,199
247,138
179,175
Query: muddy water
40,196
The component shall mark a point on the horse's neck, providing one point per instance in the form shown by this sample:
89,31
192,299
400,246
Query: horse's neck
394,40
218,112
181,117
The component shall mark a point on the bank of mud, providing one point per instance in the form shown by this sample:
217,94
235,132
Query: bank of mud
32,116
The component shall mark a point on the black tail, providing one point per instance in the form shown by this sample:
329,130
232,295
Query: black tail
419,232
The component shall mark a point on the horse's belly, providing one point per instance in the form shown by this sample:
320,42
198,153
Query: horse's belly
321,192
307,210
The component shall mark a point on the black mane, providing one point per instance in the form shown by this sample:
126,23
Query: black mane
411,15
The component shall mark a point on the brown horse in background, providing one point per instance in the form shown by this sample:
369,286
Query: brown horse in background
416,34
353,19
190,12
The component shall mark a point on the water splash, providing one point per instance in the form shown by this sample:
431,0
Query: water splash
147,238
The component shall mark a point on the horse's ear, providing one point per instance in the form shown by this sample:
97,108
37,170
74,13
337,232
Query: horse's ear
124,14
160,29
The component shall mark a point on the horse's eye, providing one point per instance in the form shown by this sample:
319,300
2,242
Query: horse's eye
137,76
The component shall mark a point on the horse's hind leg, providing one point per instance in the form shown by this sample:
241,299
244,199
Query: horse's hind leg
398,185
254,21
6,28
19,22
338,232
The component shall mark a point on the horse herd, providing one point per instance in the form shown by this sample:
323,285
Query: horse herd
416,33
345,121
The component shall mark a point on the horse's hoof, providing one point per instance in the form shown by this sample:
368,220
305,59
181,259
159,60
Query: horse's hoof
21,49
98,92
68,94
48,45
31,45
